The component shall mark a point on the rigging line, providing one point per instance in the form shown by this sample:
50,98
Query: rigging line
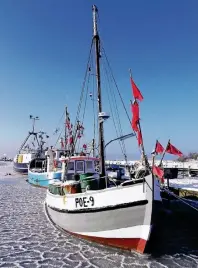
96,100
180,199
117,115
83,88
118,121
86,97
116,85
116,107
84,82
94,116
59,121
93,102
86,94
101,42
111,109
97,118
76,138
59,136
119,93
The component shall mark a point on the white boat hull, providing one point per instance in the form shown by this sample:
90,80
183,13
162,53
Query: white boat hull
120,216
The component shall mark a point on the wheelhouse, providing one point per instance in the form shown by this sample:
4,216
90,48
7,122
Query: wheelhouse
80,164
38,165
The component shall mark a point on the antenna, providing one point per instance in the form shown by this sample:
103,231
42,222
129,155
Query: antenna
33,118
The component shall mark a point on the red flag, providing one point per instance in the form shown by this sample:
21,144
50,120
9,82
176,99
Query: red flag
173,150
136,92
134,125
71,140
135,113
158,172
68,124
159,148
139,137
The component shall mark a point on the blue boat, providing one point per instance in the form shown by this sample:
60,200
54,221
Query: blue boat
43,171
43,179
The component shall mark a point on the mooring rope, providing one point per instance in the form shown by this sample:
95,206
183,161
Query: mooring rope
181,199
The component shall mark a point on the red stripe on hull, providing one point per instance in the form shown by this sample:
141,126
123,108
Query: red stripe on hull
137,244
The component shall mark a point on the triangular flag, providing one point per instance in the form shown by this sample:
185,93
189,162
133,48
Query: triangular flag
173,150
159,149
136,92
158,172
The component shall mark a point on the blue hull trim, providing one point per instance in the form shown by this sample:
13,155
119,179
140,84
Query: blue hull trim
21,168
41,179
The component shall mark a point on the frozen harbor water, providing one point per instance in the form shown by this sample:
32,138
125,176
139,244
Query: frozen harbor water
28,239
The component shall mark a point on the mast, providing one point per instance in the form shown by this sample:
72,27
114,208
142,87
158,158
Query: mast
66,113
96,40
30,132
93,147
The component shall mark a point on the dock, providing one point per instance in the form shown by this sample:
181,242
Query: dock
182,166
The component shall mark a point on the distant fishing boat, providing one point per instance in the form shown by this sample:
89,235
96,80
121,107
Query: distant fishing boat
27,152
86,203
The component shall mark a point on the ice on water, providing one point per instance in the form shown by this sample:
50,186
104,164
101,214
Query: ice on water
28,239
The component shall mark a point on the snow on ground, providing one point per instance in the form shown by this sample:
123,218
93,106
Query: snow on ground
192,164
186,183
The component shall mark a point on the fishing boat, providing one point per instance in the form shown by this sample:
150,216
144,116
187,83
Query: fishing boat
29,151
48,168
86,203
41,171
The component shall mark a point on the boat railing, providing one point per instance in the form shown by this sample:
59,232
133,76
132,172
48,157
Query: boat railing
91,178
37,170
130,181
111,180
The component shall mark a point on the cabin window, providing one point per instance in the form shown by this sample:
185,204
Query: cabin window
79,166
89,165
71,166
39,164
59,164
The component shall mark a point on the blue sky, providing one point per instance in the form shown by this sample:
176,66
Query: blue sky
44,47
